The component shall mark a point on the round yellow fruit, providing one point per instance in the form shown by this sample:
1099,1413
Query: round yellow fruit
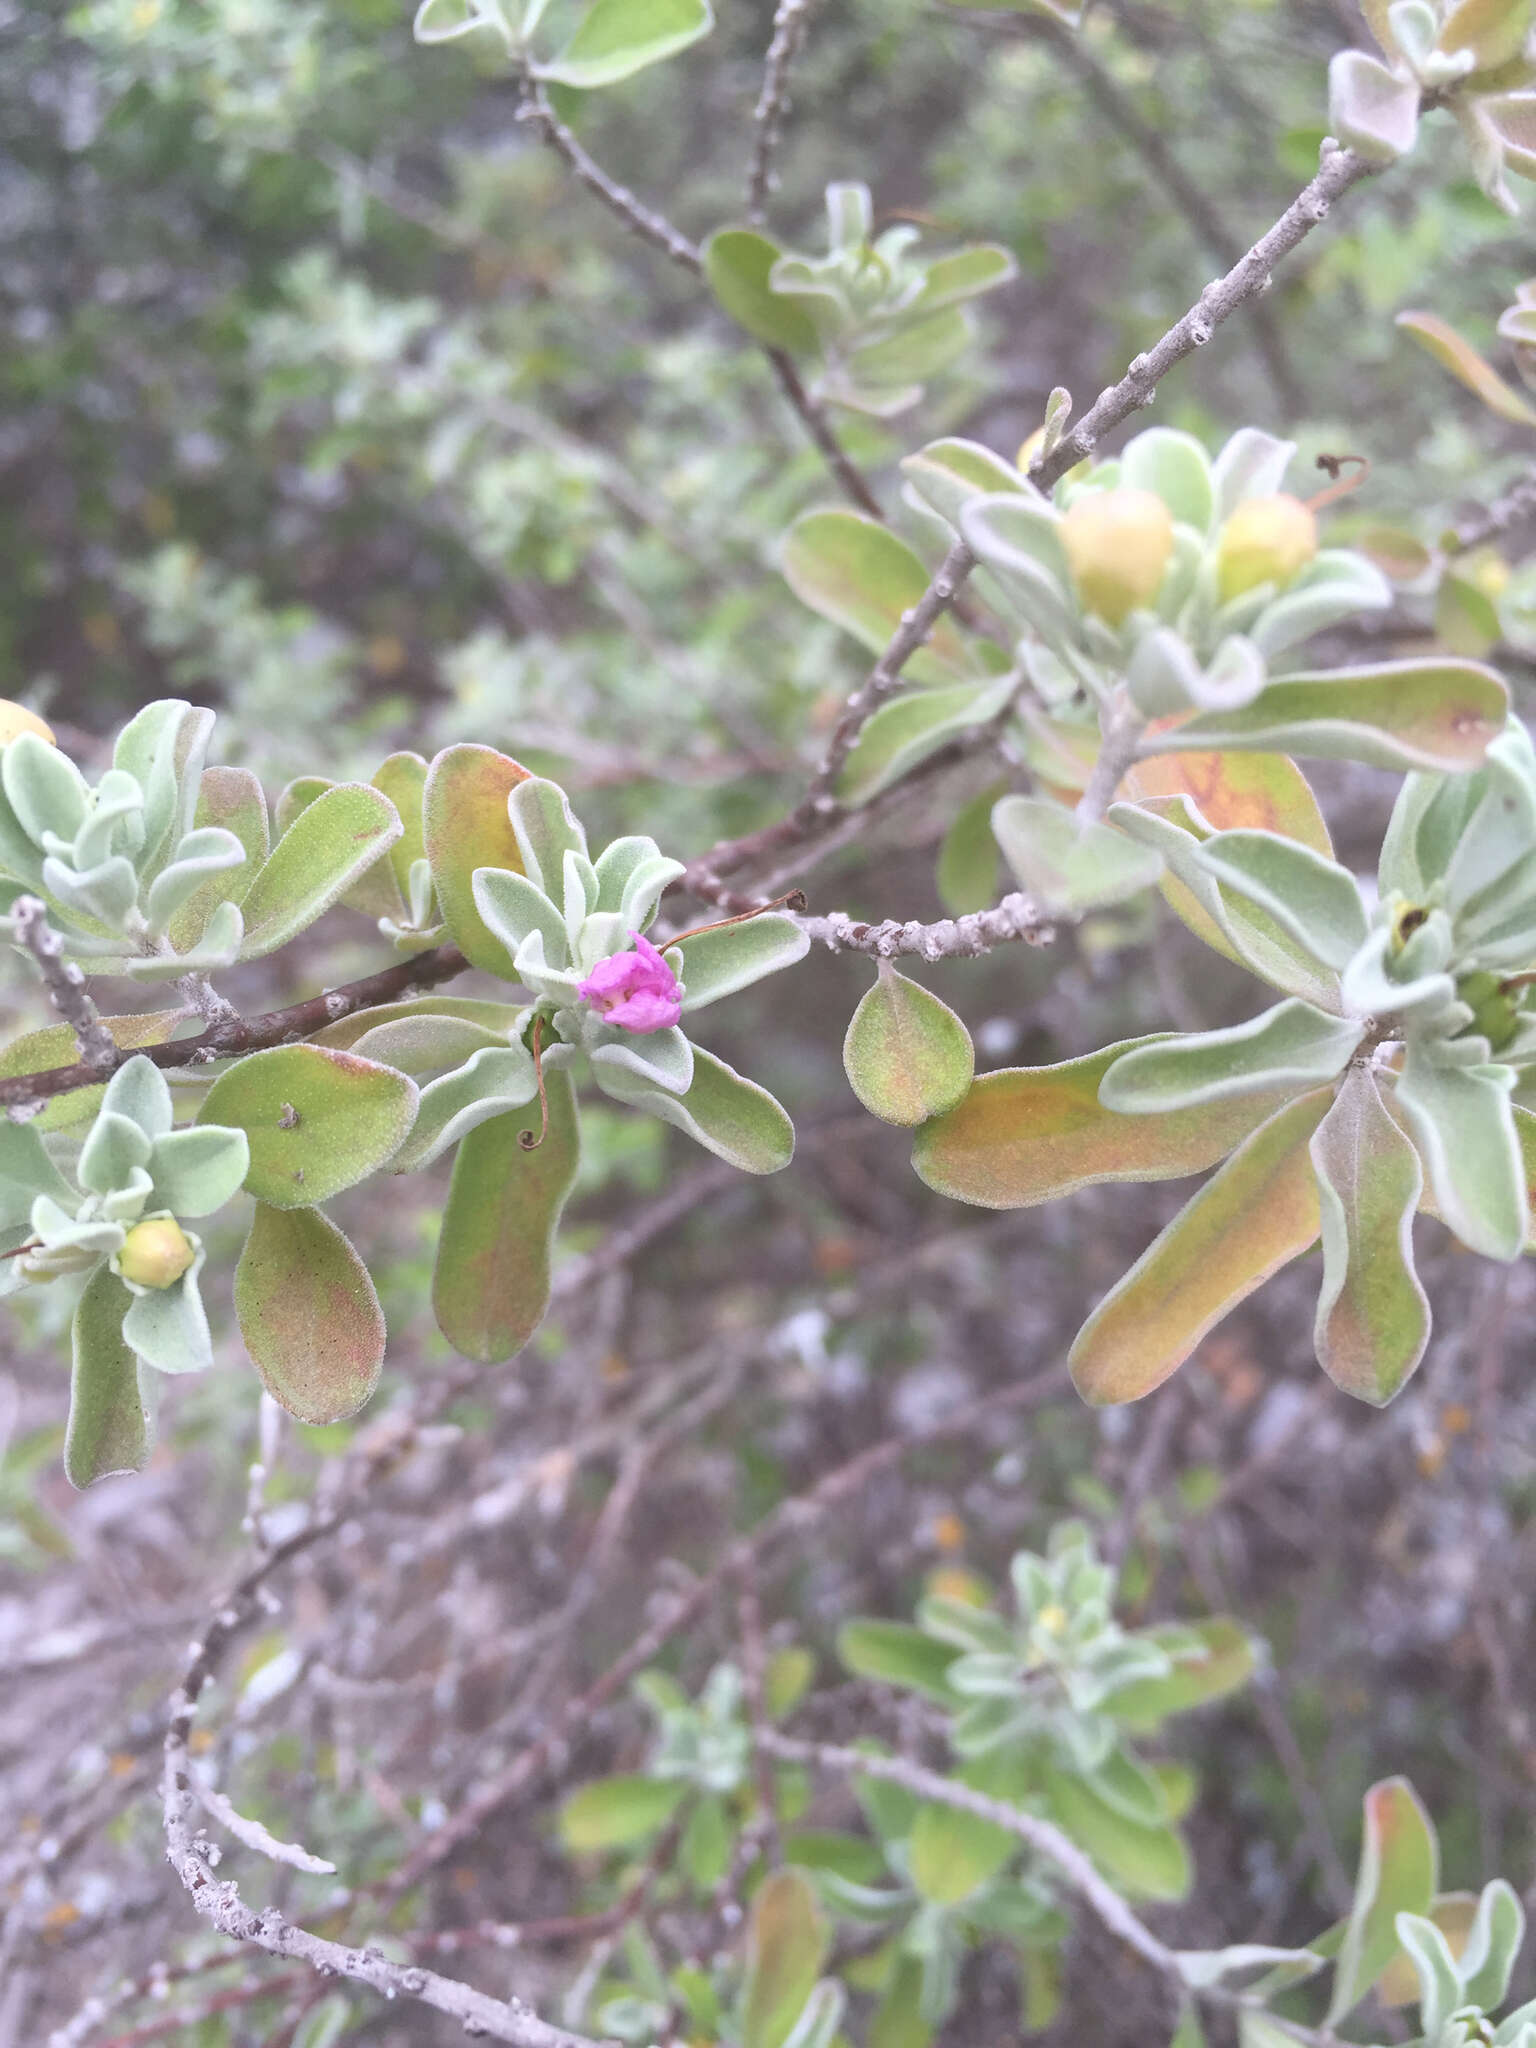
1267,540
15,719
155,1253
1118,545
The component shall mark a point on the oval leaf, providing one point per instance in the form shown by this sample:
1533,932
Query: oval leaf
1253,1217
614,1813
787,1943
1291,1046
110,1428
327,847
1399,1873
857,573
737,263
908,1056
1028,1134
318,1120
616,38
308,1314
491,1284
464,816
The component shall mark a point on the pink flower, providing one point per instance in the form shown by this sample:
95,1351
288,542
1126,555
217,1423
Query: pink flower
637,991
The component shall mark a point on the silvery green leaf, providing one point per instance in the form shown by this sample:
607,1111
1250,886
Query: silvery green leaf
968,1628
545,830
514,907
1401,868
1501,829
442,21
200,1169
46,791
1371,108
1202,1967
1066,865
1174,467
107,894
125,1203
56,1228
850,216
555,984
1517,2029
1292,1045
1434,1966
643,891
1237,674
163,749
603,933
207,851
1414,29
115,823
722,1111
578,888
717,963
1251,465
948,474
913,726
615,865
1314,899
140,1092
1334,586
26,1171
217,947
1163,676
1461,1120
114,1147
820,2016
1493,1944
663,1059
420,894
1369,990
427,1043
167,1326
495,1079
1018,540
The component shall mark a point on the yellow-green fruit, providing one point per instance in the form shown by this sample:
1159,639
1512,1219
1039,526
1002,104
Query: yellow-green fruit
1118,546
1267,540
16,719
156,1253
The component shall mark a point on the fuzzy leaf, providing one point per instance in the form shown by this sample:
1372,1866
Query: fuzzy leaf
1370,107
717,963
722,1111
895,1653
491,1284
231,798
1372,1313
616,38
464,812
37,1052
737,265
1458,356
908,1056
855,572
1399,1873
910,727
168,1326
1250,1219
948,474
1289,1047
1222,1660
1026,1135
1405,714
308,1314
1066,865
1314,899
1149,1862
329,844
318,1120
1462,1122
547,831
110,1428
198,1170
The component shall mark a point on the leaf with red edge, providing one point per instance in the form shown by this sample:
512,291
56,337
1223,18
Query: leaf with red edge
464,815
1237,792
318,1120
1457,355
1399,1873
491,1285
1025,1135
309,1315
1250,1219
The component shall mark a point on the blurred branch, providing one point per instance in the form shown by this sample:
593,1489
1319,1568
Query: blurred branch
1512,508
790,24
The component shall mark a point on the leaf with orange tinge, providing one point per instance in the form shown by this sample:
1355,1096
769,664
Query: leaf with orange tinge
308,1314
464,815
1250,1219
1237,792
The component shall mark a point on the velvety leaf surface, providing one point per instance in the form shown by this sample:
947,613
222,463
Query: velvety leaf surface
913,726
1462,1121
1237,792
967,873
1066,865
907,1055
1372,1314
467,827
737,263
318,1120
1399,1873
858,574
110,1428
1289,1047
329,844
1313,898
491,1284
38,1052
1407,714
232,798
722,1111
308,1314
717,963
1028,1134
1253,1217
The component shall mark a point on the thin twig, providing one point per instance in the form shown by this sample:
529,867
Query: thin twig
789,28
65,983
952,938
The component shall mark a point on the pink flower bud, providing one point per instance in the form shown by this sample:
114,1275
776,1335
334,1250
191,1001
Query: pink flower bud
636,991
